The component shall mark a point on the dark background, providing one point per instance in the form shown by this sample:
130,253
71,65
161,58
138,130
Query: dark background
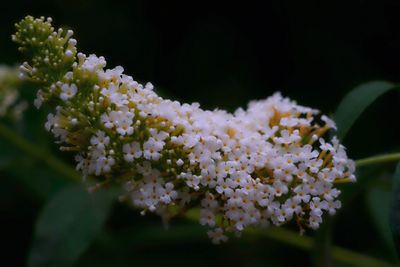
223,55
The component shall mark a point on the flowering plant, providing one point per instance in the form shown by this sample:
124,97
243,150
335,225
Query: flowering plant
268,164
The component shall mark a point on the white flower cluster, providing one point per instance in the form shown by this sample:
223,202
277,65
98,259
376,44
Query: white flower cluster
264,165
10,104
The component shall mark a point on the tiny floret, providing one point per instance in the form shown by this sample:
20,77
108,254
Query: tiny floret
68,91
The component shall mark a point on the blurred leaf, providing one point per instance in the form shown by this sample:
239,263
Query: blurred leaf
67,225
395,209
31,175
36,179
356,101
379,206
29,148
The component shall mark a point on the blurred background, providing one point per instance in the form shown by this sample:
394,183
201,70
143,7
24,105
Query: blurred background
220,55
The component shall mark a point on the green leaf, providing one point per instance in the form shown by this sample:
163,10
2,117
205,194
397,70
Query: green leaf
378,200
36,179
356,101
67,226
395,210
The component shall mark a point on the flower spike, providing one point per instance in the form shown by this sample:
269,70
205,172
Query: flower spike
268,164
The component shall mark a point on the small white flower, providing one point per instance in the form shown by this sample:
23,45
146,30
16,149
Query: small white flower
207,218
92,63
132,151
100,140
68,91
104,164
330,123
168,194
217,236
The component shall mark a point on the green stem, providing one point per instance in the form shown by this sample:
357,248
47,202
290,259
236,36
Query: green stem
38,153
378,159
338,254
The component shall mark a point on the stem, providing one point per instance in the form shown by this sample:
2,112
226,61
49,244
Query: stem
343,181
378,159
306,243
38,153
